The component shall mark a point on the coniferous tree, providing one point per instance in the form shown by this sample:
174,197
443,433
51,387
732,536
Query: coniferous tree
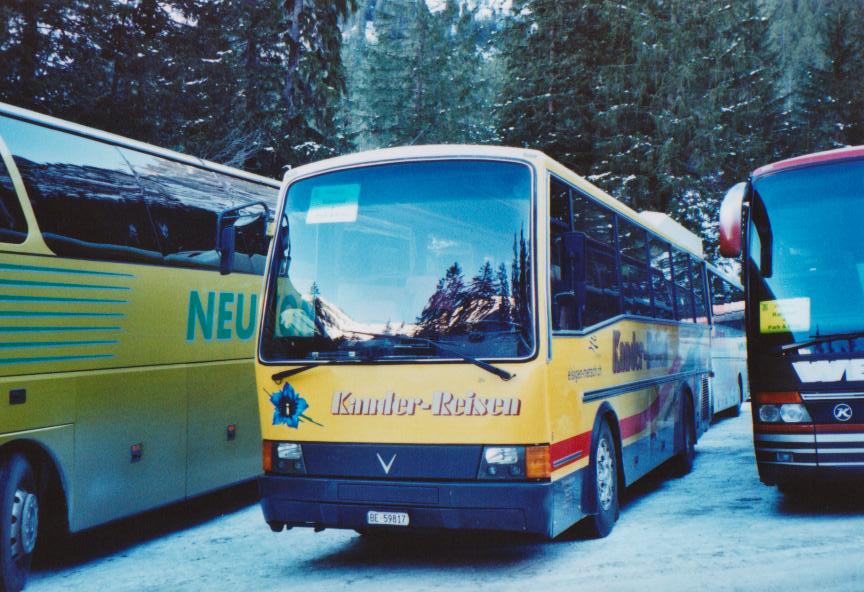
831,113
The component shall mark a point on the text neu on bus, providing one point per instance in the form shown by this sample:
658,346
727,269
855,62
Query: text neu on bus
126,369
804,280
472,337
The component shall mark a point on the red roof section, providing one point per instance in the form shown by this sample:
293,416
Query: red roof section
807,159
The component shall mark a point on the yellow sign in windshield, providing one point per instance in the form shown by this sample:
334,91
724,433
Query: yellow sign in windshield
780,316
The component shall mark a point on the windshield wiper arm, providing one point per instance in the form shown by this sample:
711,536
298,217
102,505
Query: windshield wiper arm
499,372
784,349
292,371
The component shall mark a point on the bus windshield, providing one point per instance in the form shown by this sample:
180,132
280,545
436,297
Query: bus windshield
387,262
816,284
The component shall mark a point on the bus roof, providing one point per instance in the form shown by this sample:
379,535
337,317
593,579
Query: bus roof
850,152
89,132
692,245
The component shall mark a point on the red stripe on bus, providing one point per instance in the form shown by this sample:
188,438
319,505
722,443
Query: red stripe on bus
827,428
783,429
577,446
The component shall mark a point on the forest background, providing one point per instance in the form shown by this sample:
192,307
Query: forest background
662,103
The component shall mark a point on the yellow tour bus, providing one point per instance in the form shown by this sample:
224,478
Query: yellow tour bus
466,337
126,357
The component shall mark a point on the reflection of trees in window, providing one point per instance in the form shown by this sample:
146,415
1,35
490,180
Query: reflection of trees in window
90,211
13,226
457,307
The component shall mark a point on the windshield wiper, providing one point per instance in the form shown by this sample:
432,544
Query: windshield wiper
784,349
292,371
499,372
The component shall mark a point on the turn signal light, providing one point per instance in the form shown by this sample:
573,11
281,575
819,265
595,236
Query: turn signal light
775,398
537,463
267,456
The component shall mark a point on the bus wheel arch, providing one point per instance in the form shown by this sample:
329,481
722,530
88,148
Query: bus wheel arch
51,486
600,521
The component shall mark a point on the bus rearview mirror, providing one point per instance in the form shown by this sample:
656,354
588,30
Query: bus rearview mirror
730,221
227,243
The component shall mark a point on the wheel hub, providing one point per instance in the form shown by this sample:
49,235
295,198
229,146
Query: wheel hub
605,474
25,523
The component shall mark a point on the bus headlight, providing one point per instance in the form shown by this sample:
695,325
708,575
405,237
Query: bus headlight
794,413
786,413
502,462
284,457
769,413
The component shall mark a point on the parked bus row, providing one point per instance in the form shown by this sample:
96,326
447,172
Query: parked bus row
452,337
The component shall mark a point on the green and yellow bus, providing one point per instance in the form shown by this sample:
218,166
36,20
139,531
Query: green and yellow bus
473,337
126,357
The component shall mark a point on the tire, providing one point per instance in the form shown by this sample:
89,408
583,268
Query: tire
683,462
19,521
604,474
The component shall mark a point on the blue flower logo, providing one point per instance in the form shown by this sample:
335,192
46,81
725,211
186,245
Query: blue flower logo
290,407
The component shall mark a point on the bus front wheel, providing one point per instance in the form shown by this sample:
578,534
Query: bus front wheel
19,521
604,473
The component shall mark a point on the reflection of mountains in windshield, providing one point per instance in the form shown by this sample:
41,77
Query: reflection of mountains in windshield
488,315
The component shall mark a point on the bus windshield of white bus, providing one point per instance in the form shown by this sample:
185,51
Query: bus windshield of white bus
387,262
815,288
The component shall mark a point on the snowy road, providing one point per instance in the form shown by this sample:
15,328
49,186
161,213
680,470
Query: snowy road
715,529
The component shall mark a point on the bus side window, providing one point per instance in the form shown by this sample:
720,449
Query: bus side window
13,226
635,283
252,239
683,285
87,201
184,203
564,299
697,273
602,296
661,279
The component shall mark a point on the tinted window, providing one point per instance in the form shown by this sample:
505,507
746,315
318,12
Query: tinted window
727,303
592,219
683,294
563,268
635,282
699,301
86,199
185,202
252,239
661,279
13,226
584,273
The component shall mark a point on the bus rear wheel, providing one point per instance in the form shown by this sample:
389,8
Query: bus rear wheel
19,521
604,473
683,462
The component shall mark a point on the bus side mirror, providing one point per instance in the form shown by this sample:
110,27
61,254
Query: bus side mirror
730,221
226,230
227,245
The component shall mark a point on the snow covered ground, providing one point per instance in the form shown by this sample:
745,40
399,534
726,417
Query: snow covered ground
715,529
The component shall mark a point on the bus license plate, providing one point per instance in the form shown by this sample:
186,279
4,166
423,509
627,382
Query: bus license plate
387,518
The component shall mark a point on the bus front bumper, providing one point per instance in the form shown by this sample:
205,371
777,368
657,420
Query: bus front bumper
345,503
